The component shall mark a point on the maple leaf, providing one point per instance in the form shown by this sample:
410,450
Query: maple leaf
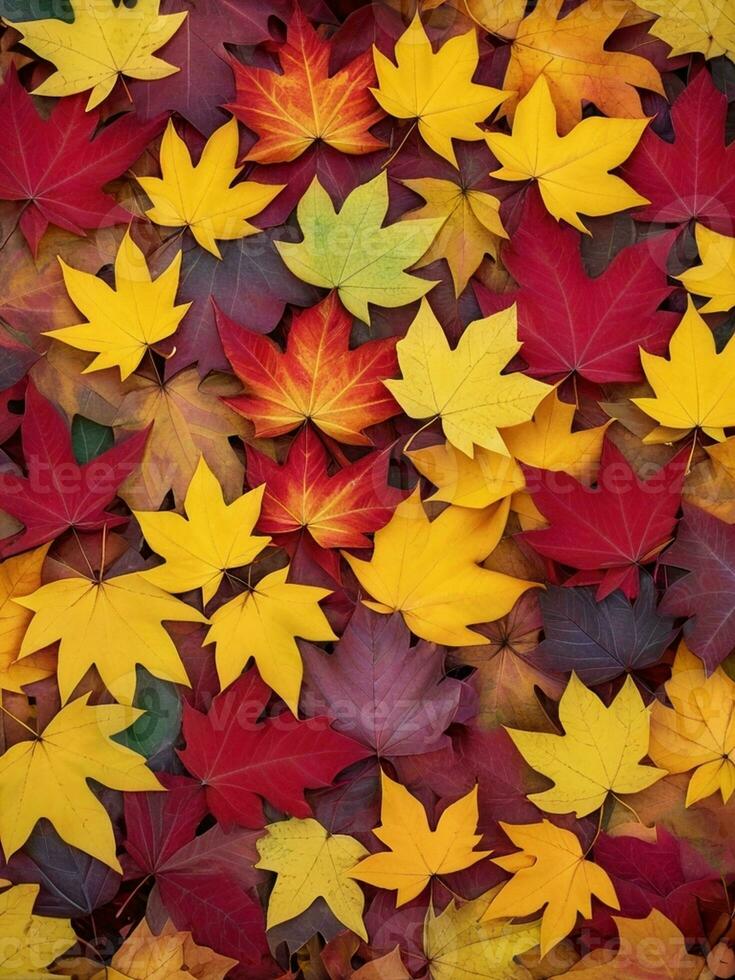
436,88
715,276
692,389
458,944
46,778
693,176
125,321
592,316
607,531
337,510
416,852
239,760
29,942
311,863
600,640
170,954
214,536
696,732
428,571
55,167
471,226
464,387
550,872
379,689
99,45
570,54
291,110
694,25
57,493
475,482
350,250
263,623
599,752
201,196
18,577
317,377
496,16
572,171
112,624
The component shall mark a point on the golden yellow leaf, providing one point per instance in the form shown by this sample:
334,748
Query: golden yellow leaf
114,625
715,277
46,777
428,571
550,873
599,752
416,852
707,26
29,942
100,44
572,170
170,955
19,576
200,196
125,321
501,17
311,863
693,386
435,88
468,482
464,387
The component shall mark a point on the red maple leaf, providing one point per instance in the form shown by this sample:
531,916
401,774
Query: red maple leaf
609,530
591,318
55,166
317,377
57,493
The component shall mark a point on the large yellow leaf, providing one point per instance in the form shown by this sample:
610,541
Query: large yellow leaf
468,482
19,576
416,852
550,873
29,942
571,170
459,945
570,54
214,536
464,387
428,571
46,777
125,321
693,387
200,196
262,623
599,752
707,26
103,42
311,863
114,624
435,88
698,731
715,277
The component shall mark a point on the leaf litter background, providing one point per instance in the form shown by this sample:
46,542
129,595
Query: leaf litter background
367,499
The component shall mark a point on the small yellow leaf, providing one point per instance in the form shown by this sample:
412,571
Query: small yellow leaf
29,942
707,26
468,482
170,955
18,577
715,277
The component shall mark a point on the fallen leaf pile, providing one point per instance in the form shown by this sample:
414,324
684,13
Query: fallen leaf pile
367,489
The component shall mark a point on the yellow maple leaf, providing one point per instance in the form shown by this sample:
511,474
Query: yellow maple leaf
435,88
125,321
29,942
46,777
200,197
464,387
262,623
468,482
113,624
428,571
459,945
214,536
103,42
571,170
311,863
693,386
715,277
471,228
416,852
707,26
170,955
550,872
570,54
19,576
698,731
599,752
